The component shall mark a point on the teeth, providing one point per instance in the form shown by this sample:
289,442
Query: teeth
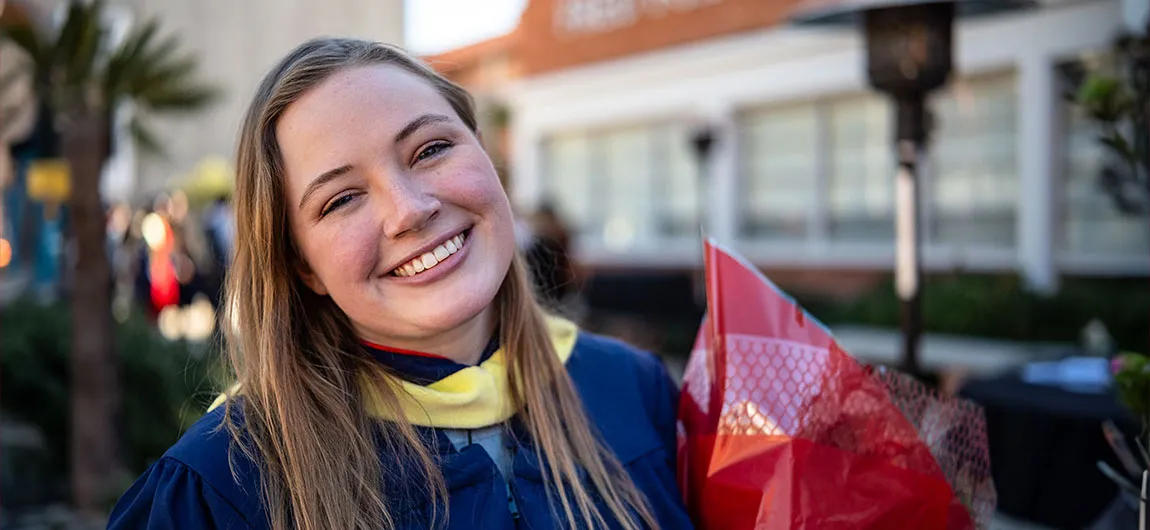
431,259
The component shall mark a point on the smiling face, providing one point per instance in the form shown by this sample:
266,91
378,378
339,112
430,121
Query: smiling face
396,210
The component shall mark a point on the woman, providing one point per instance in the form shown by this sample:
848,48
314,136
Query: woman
394,369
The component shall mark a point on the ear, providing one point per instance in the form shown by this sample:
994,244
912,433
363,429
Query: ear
309,277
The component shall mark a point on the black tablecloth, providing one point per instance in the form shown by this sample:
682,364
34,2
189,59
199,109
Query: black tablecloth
1044,445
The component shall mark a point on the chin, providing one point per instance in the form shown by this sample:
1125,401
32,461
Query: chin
433,320
451,305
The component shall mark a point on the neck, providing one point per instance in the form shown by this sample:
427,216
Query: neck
464,344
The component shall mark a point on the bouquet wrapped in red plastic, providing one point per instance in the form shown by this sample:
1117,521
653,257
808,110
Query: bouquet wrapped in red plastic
780,428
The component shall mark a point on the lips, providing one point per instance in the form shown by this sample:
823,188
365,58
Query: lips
428,260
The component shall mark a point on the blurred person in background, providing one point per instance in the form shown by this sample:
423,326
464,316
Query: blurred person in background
394,369
220,229
548,256
160,257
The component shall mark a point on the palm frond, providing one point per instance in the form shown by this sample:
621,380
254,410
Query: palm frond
150,72
125,59
184,98
76,24
170,86
173,72
162,52
82,65
152,56
145,139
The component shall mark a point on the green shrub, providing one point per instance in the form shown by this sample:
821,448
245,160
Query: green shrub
164,386
1000,307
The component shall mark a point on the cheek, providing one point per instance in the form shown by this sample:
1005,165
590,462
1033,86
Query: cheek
476,187
346,253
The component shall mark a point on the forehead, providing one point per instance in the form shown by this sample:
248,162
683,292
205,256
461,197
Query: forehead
356,101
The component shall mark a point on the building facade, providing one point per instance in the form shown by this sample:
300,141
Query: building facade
800,174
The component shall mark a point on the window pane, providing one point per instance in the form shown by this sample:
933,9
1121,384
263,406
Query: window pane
1093,225
628,191
625,187
779,161
569,179
974,169
677,189
861,184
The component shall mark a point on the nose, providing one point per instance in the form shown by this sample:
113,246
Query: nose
410,210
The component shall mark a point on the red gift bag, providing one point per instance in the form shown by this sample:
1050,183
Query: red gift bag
780,428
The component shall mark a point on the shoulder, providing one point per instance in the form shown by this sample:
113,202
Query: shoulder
203,481
211,451
614,359
626,391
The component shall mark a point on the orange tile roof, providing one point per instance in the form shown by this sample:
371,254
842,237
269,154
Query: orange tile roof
472,53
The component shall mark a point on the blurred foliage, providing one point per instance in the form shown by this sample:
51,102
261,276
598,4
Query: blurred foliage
1001,307
1113,92
988,306
166,385
1132,380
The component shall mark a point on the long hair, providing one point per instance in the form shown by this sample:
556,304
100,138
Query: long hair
299,366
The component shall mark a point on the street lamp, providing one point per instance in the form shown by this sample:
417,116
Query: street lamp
703,137
909,54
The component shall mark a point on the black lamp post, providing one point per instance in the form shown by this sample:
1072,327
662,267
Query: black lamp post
908,55
703,138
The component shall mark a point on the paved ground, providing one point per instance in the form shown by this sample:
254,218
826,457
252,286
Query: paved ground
1003,522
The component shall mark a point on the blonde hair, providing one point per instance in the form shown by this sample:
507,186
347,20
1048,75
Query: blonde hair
299,364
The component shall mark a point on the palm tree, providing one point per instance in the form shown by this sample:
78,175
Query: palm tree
80,79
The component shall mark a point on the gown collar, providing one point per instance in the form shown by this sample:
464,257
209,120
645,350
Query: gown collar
423,368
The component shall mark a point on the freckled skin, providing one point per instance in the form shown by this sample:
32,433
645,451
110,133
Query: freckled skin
396,198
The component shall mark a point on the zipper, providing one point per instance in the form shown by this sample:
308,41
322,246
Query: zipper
510,480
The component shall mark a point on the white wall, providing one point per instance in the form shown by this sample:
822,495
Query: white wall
716,78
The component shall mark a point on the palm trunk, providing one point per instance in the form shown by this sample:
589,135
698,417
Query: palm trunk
84,143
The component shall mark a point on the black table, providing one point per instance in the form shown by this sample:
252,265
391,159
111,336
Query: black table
1045,442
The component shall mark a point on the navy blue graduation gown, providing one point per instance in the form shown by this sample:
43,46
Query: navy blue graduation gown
629,399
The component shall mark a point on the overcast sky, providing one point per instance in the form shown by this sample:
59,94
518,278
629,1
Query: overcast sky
433,26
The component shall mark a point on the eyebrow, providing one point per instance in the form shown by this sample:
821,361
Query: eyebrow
418,123
319,181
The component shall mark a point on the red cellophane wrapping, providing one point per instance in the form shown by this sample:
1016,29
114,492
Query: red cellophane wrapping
780,428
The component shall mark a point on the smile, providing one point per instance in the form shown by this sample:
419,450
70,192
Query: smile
430,259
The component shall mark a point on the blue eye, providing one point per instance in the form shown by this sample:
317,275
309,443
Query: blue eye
433,150
336,204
